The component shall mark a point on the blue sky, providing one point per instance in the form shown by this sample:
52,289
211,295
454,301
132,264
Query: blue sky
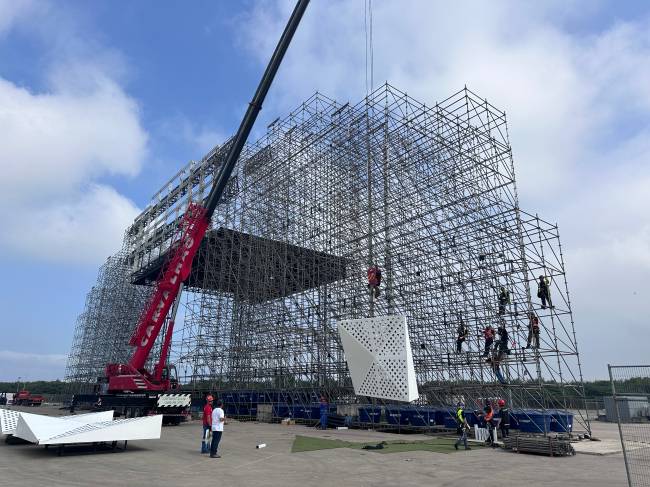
101,102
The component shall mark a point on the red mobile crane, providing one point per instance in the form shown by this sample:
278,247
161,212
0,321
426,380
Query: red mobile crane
130,387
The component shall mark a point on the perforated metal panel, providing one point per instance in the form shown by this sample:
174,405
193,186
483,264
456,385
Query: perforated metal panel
44,430
378,353
8,421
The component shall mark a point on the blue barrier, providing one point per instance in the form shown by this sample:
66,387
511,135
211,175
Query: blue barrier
561,421
369,415
423,417
281,411
533,421
300,412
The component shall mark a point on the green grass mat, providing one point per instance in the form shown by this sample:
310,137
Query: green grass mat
438,445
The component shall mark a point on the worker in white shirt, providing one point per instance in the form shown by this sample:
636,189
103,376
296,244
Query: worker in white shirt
218,419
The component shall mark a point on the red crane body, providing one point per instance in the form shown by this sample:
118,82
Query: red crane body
133,376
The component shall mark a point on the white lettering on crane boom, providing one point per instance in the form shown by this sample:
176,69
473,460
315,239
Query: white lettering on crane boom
155,318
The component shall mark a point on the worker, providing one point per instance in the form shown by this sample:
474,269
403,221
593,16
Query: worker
324,412
533,330
495,361
504,300
488,417
503,338
374,280
544,291
207,424
463,333
218,420
462,428
504,416
488,334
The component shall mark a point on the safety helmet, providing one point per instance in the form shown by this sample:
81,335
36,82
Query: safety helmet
209,398
501,403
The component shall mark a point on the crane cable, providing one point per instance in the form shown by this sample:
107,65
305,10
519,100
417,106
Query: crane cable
370,63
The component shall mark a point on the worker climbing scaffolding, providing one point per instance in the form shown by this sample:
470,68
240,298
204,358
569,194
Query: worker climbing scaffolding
494,360
504,300
462,334
374,280
488,335
544,291
502,345
533,330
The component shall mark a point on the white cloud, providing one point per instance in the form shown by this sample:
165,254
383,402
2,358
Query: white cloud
83,229
578,106
53,142
57,145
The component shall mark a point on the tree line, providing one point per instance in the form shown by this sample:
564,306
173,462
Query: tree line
593,389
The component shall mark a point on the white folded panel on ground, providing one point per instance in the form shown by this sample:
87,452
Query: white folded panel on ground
82,428
9,419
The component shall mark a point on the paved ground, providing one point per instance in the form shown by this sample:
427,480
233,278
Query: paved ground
175,460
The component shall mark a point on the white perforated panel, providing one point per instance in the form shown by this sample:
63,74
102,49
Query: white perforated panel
378,352
8,421
44,430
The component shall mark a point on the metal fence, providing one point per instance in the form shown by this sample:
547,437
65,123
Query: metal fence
629,406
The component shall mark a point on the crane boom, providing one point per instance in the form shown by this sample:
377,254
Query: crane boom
193,225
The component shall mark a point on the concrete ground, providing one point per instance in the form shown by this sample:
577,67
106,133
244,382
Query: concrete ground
175,460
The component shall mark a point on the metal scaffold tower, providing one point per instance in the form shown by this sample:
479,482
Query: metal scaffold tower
103,330
426,193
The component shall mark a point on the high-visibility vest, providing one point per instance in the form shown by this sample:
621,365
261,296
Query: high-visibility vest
460,416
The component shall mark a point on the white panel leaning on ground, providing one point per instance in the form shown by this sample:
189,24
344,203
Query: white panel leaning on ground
9,419
84,428
379,356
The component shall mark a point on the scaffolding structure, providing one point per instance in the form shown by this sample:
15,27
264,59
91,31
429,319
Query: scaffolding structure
103,330
426,193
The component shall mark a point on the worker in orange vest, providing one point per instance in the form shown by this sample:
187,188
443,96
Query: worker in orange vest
488,417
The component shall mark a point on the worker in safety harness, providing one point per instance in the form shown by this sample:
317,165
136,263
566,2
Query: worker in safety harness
495,362
502,345
462,426
463,333
488,334
374,280
544,291
533,330
504,300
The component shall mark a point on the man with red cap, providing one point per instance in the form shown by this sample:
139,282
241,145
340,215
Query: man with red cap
207,424
504,415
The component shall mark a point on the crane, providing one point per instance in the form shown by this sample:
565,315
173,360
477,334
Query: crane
126,380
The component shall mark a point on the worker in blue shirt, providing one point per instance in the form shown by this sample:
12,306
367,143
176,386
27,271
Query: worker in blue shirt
324,411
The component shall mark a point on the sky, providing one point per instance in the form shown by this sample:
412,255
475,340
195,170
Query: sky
102,102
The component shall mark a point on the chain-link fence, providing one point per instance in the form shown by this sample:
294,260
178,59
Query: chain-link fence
629,406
